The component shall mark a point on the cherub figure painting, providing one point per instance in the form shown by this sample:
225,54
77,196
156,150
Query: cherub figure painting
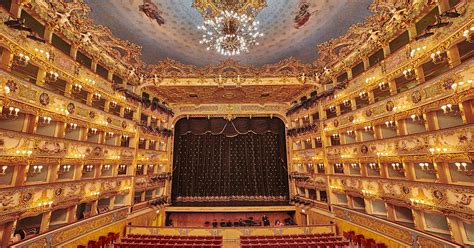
151,10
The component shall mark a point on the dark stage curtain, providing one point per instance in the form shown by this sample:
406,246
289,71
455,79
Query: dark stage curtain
238,162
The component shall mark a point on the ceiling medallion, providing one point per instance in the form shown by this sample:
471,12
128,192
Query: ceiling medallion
229,26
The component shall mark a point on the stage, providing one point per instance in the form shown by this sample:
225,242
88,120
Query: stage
205,216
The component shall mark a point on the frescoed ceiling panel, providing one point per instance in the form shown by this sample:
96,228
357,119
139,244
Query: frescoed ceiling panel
178,38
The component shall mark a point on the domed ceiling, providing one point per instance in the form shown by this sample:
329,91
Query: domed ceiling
178,38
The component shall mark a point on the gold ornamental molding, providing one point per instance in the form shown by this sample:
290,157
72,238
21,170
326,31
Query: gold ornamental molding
234,110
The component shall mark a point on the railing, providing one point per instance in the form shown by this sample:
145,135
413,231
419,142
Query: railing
409,236
24,97
56,237
231,233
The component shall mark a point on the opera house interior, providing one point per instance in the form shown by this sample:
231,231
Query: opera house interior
237,123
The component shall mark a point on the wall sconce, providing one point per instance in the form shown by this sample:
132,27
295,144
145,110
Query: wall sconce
76,88
332,108
128,109
455,86
36,170
355,165
94,193
398,167
24,152
90,81
369,128
350,132
374,166
426,167
437,58
409,74
113,104
72,126
390,124
462,167
139,167
448,108
122,168
46,120
116,157
111,134
106,167
415,117
11,113
369,80
363,95
318,139
417,202
150,167
96,96
124,137
79,155
42,53
469,34
44,204
21,60
51,76
417,50
3,172
335,136
346,103
383,86
88,168
141,140
93,131
64,169
368,193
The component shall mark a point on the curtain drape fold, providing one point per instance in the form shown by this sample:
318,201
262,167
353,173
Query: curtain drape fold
239,162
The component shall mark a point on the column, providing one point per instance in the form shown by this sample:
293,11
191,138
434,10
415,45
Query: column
73,52
94,64
6,232
94,207
107,105
412,31
45,221
6,59
371,98
456,227
71,214
386,50
418,219
40,78
453,56
390,212
349,73
366,63
420,75
89,99
443,171
443,6
392,87
48,33
53,172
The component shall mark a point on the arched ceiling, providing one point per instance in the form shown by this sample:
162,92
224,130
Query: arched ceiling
178,38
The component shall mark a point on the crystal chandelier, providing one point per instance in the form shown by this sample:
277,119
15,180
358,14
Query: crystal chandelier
230,28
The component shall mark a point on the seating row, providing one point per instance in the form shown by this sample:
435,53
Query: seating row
169,241
145,236
126,245
338,244
310,235
291,240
